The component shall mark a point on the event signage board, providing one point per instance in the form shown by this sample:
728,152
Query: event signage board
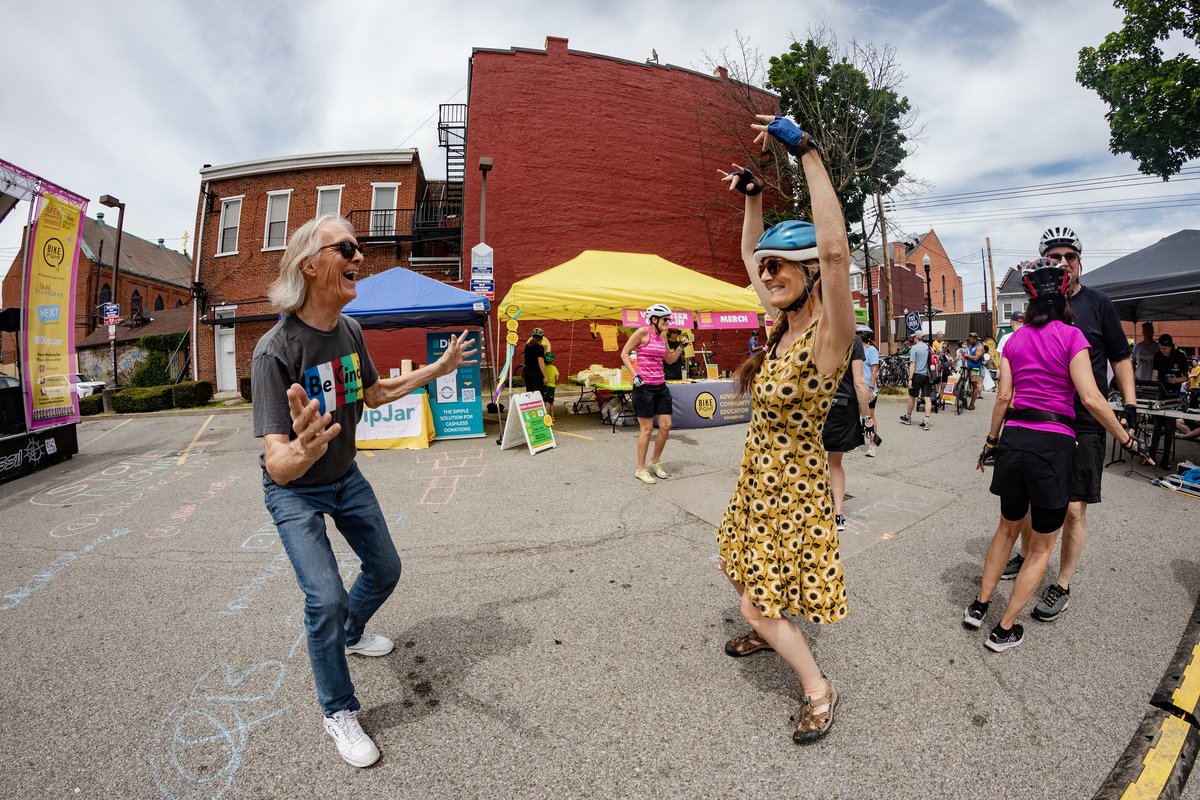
404,423
456,399
112,313
862,315
636,318
529,415
483,280
912,321
48,326
728,320
706,404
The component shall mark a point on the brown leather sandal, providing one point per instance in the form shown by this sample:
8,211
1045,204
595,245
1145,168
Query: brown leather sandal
816,716
745,645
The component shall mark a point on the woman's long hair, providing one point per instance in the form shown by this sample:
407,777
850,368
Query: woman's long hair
750,367
1044,310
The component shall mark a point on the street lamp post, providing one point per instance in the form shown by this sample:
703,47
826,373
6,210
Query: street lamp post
485,166
112,202
928,302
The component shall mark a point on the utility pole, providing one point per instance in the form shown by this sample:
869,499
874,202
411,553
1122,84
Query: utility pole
983,267
992,272
885,281
867,274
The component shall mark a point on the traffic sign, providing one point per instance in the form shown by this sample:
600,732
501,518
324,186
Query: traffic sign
111,313
912,321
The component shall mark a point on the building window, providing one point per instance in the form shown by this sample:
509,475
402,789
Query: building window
1007,311
275,229
329,201
856,282
158,303
231,217
135,302
943,290
954,298
383,209
105,294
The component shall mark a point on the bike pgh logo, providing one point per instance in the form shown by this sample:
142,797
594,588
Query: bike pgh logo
55,218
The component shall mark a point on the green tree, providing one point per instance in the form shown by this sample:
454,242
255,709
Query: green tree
1154,102
848,99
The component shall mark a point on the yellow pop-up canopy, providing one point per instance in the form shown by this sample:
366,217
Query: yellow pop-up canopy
597,284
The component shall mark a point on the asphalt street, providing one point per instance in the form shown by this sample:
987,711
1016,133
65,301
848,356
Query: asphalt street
559,628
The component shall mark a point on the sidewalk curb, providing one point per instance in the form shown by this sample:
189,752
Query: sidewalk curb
1161,753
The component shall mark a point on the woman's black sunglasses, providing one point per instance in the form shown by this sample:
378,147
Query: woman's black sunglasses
771,264
345,248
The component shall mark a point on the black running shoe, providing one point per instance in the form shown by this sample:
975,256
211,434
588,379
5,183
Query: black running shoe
1054,601
973,616
1000,640
1012,567
840,521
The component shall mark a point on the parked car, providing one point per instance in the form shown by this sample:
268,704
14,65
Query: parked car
85,385
9,382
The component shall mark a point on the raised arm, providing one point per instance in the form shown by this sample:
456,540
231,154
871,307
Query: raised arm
459,352
742,180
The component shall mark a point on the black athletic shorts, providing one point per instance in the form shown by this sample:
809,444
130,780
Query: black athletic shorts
843,428
920,386
1089,467
1035,465
651,401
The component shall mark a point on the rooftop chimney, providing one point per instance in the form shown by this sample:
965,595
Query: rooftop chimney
160,243
100,217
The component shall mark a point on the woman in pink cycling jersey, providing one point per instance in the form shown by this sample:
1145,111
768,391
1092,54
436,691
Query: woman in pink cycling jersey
1045,363
651,397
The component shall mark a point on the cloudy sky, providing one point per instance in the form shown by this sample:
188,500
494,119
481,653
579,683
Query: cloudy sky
130,99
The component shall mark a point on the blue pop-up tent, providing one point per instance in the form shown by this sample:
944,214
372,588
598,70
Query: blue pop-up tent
401,298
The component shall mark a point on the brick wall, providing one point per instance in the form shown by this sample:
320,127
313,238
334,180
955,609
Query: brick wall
598,153
241,280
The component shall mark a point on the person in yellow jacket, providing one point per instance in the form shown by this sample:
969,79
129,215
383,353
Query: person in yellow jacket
550,380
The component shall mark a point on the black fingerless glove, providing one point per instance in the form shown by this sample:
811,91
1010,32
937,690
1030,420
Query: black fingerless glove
1129,417
987,458
637,381
747,184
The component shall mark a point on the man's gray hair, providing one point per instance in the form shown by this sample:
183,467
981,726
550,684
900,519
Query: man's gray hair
288,291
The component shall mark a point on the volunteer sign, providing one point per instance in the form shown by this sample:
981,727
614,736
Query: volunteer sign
48,329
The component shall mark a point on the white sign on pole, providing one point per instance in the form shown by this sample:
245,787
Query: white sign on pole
112,332
481,261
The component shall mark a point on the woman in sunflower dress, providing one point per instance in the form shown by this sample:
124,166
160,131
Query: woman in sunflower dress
778,542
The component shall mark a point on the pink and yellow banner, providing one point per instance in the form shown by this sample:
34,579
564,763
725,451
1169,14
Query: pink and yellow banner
728,320
636,318
48,322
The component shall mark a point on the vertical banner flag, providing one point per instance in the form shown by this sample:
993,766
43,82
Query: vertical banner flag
48,321
456,399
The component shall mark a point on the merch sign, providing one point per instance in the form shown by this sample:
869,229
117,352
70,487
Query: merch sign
48,322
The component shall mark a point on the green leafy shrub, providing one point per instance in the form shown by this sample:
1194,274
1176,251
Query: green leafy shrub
137,400
190,394
162,342
151,372
244,388
92,404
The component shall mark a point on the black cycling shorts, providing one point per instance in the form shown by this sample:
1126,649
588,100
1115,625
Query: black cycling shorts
651,401
1035,466
1088,467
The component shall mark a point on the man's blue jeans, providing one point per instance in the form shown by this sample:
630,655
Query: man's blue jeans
331,617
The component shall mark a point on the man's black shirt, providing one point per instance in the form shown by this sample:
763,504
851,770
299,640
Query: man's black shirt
1096,316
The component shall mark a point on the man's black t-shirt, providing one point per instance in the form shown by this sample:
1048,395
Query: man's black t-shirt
534,379
1096,317
1172,366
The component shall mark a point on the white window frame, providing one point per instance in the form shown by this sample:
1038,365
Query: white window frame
338,188
225,203
856,282
383,229
1008,310
267,223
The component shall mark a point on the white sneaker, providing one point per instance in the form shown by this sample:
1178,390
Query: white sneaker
870,449
644,476
353,744
370,644
658,471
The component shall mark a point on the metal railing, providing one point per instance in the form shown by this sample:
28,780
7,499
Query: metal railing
406,223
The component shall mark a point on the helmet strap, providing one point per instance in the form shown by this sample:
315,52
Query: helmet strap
810,281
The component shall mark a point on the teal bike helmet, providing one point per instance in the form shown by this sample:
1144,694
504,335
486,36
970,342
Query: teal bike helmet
793,239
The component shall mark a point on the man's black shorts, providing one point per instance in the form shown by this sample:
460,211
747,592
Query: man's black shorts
1036,466
651,401
843,428
920,386
1089,467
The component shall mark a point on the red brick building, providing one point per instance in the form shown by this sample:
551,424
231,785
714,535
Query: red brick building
593,152
247,210
152,278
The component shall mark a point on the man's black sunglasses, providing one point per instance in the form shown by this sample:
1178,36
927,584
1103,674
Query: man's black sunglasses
1069,257
345,248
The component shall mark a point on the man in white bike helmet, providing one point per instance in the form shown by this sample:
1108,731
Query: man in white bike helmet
651,397
1096,316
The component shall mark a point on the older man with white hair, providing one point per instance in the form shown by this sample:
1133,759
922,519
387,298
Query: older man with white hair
311,377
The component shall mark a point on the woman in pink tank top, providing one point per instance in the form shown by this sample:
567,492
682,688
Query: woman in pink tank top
651,397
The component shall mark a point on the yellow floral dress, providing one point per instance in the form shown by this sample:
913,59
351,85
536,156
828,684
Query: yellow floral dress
777,537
